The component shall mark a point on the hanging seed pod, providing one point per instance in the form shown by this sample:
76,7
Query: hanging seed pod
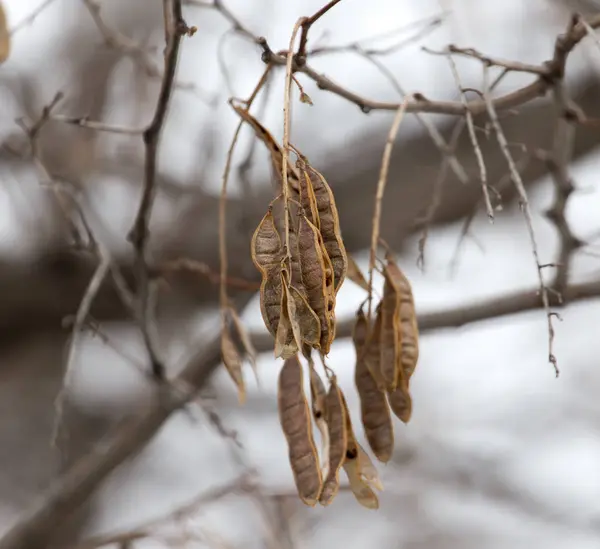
314,277
285,345
408,330
319,411
389,337
266,252
296,424
338,441
304,321
375,414
401,403
233,362
372,353
308,200
356,463
329,223
266,248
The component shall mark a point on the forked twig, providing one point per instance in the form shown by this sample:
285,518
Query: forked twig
175,28
524,203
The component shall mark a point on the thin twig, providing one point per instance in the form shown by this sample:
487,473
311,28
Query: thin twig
383,173
524,203
78,327
95,125
307,23
286,134
223,200
474,141
140,231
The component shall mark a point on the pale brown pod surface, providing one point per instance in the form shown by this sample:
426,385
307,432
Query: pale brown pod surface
372,354
400,402
233,362
354,463
285,344
271,293
389,364
408,336
265,247
329,226
306,326
375,414
314,277
296,424
318,396
308,200
338,442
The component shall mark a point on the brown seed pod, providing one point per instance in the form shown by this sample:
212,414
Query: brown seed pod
329,223
400,402
408,334
296,424
314,277
372,353
265,248
308,200
319,412
275,150
359,468
360,489
389,337
285,344
271,295
338,442
375,414
304,321
233,362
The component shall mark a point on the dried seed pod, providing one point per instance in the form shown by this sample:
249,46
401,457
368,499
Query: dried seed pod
294,417
375,413
308,200
271,295
285,344
275,150
389,361
329,223
233,362
400,402
356,464
338,442
372,353
408,329
304,321
368,471
314,277
265,248
355,274
319,412
360,489
329,290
